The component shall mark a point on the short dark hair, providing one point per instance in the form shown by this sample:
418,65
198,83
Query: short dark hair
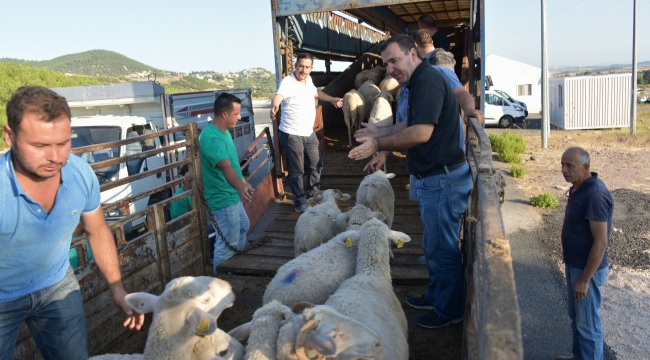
304,56
183,170
422,38
224,103
35,100
427,21
404,41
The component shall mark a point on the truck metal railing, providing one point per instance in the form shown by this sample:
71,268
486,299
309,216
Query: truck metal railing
493,328
149,259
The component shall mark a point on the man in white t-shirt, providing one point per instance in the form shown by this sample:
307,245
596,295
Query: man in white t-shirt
296,93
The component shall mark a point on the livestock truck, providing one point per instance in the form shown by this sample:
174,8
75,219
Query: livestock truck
331,30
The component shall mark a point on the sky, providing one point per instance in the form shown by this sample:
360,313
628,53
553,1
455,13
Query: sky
225,35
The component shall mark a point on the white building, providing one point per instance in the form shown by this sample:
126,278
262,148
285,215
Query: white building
521,81
590,102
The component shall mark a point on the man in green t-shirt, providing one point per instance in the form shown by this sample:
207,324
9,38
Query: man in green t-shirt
182,206
223,184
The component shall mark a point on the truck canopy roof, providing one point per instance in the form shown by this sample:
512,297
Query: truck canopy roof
108,120
112,94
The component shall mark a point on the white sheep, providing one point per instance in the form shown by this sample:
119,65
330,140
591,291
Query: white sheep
369,92
391,85
316,332
381,114
374,75
315,275
315,225
376,193
185,314
354,111
368,296
262,331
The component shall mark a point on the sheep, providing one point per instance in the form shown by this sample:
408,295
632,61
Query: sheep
354,111
316,331
374,75
368,296
262,331
315,275
376,193
391,85
184,315
369,92
315,225
381,114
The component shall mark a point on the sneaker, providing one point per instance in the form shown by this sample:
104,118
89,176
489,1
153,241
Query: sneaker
432,320
421,303
302,208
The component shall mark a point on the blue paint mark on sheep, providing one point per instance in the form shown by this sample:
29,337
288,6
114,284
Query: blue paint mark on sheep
289,279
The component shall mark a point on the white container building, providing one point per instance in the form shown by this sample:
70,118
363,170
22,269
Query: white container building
590,102
521,81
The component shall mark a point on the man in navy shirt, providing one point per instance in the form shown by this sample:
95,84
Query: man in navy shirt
585,237
44,192
434,155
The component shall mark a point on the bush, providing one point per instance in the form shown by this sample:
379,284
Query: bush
510,157
545,200
508,145
517,171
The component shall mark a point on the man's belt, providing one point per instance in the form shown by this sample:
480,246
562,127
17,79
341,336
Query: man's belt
441,170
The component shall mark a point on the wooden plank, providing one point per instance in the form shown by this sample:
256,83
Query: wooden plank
276,251
252,264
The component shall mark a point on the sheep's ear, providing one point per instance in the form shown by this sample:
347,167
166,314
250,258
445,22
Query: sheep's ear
346,197
141,302
324,344
343,217
343,237
398,238
378,215
241,332
390,176
201,322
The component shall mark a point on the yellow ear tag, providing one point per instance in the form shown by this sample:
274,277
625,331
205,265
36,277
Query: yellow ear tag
343,199
201,328
348,242
400,243
311,203
381,213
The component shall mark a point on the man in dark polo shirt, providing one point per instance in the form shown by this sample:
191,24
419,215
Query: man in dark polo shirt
431,137
585,237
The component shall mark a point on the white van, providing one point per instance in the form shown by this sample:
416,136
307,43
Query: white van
512,100
500,111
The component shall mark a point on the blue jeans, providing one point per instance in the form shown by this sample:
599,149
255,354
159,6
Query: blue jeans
585,319
443,199
54,315
234,224
296,147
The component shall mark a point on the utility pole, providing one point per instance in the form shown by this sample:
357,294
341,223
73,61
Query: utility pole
545,111
633,107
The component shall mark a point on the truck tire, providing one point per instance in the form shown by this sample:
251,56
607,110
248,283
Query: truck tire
506,121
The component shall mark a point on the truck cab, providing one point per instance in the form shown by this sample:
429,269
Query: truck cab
87,130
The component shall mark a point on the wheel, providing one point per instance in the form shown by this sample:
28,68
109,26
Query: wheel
506,121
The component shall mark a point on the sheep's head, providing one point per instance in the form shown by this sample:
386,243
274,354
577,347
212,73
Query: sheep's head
371,228
331,195
218,346
359,214
320,331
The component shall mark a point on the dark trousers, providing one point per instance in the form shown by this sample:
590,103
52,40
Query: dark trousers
296,147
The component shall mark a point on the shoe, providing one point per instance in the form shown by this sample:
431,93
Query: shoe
421,260
421,303
302,208
432,320
565,357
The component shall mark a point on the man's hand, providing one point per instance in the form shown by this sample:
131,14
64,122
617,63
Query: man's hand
366,131
580,288
274,111
337,102
376,163
368,147
133,320
476,114
246,192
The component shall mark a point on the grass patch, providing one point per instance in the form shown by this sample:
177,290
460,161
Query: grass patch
517,171
510,157
545,200
508,145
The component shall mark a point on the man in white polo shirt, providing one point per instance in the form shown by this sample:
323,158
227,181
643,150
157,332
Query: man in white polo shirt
296,93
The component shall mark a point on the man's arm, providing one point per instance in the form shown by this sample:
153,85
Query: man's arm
244,189
376,162
407,138
335,101
105,254
275,105
368,130
466,102
599,232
